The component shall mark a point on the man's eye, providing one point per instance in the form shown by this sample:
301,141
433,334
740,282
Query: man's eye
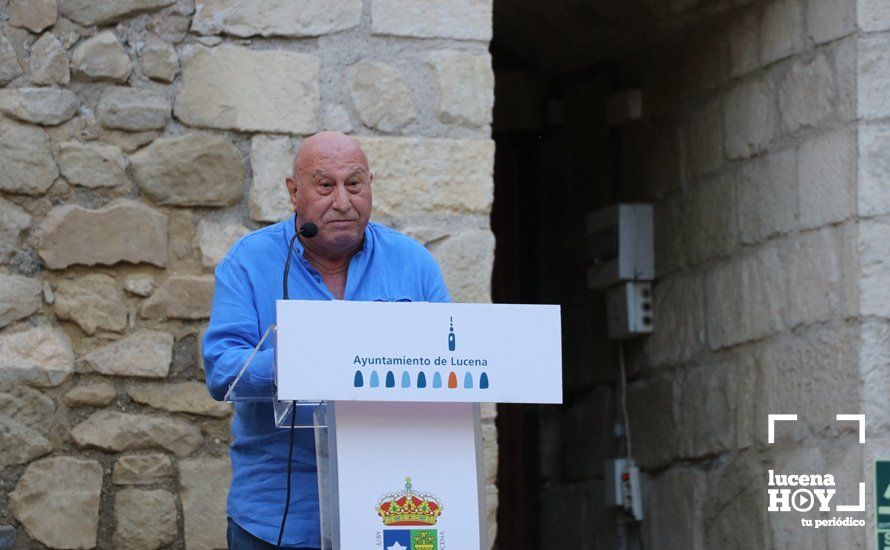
353,183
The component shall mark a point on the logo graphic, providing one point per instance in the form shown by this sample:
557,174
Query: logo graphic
451,342
410,539
811,491
409,507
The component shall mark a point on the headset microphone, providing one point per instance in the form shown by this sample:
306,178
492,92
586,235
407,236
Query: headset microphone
309,230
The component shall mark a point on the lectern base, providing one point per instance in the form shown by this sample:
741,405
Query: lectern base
391,473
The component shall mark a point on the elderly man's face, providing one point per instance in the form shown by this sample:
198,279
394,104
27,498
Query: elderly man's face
332,189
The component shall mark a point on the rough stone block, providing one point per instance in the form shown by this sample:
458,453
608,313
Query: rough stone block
184,397
461,19
20,297
271,160
133,110
749,118
782,30
28,406
679,317
129,232
57,500
465,85
745,298
808,93
307,18
117,431
92,164
190,170
827,176
712,226
814,271
873,15
142,469
875,366
93,301
829,20
417,176
46,106
93,394
101,57
874,170
766,188
144,354
139,284
236,88
159,61
27,159
874,283
21,444
873,76
466,260
49,62
706,139
205,483
40,356
13,223
10,69
815,374
99,12
214,239
735,514
34,15
144,519
675,516
651,405
671,226
181,297
380,96
716,409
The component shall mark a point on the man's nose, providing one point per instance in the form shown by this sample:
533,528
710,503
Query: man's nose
341,199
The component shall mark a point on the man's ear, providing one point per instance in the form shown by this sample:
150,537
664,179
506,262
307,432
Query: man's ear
291,184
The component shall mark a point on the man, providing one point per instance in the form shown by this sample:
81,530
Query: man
349,259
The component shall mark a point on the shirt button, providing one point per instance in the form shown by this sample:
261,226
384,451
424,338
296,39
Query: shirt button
318,279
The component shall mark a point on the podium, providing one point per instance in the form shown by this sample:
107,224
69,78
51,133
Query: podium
393,392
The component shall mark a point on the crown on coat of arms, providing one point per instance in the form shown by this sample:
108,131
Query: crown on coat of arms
409,507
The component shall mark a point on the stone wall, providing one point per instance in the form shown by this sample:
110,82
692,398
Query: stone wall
764,147
138,140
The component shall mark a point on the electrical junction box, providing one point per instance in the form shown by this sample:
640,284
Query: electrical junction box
619,245
629,310
622,487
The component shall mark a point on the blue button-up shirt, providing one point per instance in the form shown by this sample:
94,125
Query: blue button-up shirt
389,267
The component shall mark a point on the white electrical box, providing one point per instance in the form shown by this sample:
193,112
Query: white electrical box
629,310
623,487
620,245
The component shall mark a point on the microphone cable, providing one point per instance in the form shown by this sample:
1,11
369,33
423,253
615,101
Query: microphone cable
308,230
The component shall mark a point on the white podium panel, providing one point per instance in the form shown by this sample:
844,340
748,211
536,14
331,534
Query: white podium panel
406,476
403,351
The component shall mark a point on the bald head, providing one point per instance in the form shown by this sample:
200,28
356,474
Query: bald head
331,187
325,147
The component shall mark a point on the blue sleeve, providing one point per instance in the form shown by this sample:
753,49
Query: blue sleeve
434,284
233,333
